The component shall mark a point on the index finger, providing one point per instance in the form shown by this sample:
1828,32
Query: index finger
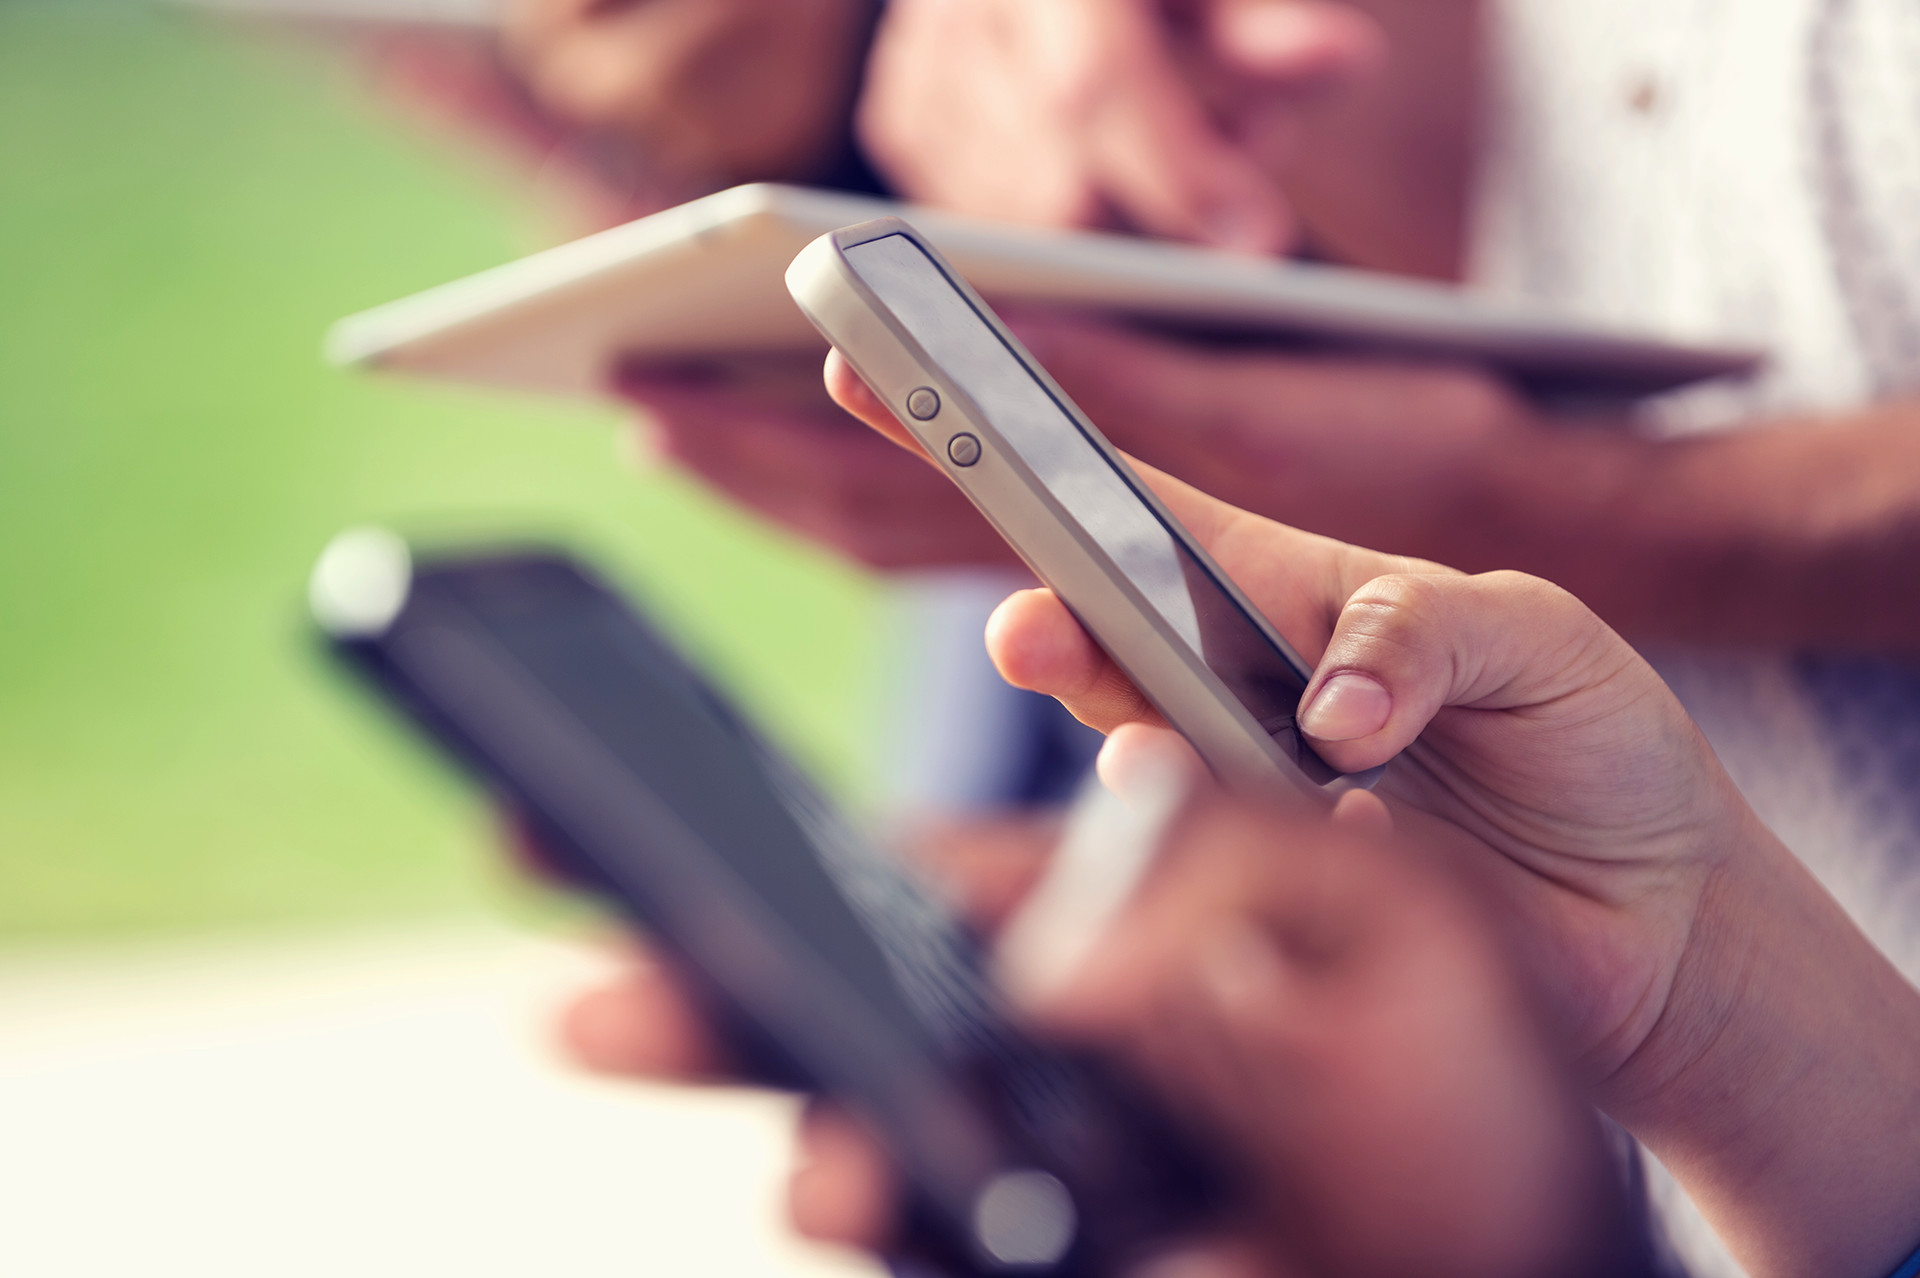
1037,644
1167,169
858,398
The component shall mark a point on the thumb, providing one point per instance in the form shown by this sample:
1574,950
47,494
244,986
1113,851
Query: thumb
1407,646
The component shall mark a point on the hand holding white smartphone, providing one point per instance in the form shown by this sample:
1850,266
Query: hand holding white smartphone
1067,501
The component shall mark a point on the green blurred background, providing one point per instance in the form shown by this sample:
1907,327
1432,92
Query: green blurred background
182,211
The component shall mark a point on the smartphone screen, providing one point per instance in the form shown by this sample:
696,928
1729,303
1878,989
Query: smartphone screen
1155,556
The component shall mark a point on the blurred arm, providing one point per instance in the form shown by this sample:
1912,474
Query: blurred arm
1795,534
1803,534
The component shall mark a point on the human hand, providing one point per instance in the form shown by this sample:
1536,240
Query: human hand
1320,998
763,433
1324,1008
1161,116
711,91
1554,765
645,1023
457,83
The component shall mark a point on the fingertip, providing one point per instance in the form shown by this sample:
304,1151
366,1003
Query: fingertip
844,385
1309,45
1030,635
641,1025
841,1191
848,390
1363,812
1145,759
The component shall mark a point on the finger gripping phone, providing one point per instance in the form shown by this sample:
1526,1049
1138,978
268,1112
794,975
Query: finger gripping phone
824,964
1067,502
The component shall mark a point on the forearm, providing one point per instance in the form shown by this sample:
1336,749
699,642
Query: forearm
1790,536
1781,1084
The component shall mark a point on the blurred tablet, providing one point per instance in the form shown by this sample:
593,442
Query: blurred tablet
703,280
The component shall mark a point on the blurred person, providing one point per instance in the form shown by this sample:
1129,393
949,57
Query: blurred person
1252,125
1345,1029
1622,173
1734,171
1281,980
1089,105
622,109
1089,141
1744,173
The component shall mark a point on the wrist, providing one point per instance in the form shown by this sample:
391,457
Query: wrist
1640,529
1777,1084
1561,500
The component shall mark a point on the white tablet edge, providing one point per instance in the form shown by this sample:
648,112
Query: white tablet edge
1224,287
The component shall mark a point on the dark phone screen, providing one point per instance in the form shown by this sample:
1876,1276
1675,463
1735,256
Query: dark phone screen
858,980
1154,557
618,692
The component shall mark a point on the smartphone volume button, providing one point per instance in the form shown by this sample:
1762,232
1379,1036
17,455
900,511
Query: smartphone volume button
924,404
963,449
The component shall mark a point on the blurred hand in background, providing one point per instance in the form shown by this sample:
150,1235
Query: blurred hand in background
1165,117
763,433
1373,451
621,108
711,92
1316,1000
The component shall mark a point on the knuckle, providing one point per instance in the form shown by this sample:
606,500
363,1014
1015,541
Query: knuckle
1395,601
1553,621
1391,624
1521,594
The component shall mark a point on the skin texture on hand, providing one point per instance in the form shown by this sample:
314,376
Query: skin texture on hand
1123,113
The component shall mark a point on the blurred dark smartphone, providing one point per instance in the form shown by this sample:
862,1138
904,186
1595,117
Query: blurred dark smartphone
825,965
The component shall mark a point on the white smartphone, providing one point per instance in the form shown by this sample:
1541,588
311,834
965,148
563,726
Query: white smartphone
1067,501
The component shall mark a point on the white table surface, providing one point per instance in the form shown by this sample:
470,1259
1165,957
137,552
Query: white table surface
371,1105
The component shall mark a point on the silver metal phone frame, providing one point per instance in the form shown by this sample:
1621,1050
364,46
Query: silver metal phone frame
1174,678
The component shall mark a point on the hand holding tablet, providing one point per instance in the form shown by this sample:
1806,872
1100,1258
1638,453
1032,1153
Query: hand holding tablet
702,281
